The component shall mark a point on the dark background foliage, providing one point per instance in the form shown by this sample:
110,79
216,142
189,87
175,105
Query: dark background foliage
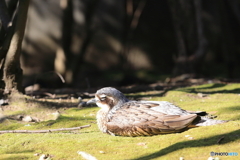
103,42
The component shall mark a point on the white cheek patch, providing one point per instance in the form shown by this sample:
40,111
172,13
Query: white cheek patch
103,106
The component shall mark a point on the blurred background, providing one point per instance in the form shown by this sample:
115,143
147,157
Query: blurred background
96,43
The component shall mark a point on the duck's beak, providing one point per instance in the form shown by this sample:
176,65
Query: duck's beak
91,101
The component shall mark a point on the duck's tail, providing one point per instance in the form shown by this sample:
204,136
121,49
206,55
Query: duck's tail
205,121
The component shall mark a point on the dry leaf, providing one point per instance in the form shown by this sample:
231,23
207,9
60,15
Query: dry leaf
141,144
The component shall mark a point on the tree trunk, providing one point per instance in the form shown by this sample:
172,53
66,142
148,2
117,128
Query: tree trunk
64,53
228,36
191,43
11,50
131,21
67,62
89,27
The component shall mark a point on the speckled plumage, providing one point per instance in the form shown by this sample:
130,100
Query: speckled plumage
121,117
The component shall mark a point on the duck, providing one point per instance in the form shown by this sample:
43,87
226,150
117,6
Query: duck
119,116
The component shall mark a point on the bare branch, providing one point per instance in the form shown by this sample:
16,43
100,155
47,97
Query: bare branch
4,16
137,14
44,131
177,18
129,7
202,42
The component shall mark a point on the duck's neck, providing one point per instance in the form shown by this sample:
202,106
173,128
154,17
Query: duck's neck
105,113
120,102
102,120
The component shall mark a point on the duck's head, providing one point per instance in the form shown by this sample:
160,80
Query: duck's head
108,97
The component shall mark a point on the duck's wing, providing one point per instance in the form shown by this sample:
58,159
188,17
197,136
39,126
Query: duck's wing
140,120
164,107
169,108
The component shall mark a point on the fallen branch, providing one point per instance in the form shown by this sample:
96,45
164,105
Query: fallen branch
44,131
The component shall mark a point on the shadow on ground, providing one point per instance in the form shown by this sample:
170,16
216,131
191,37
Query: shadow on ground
228,137
216,88
210,89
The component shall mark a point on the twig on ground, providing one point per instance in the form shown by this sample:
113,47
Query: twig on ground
44,131
220,139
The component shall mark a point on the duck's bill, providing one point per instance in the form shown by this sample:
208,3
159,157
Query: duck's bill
91,101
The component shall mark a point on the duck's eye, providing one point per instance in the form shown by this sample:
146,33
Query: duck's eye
102,98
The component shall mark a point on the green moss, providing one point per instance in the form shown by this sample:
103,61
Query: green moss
220,100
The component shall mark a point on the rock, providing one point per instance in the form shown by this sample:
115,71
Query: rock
3,102
201,95
27,119
86,156
32,88
45,157
56,115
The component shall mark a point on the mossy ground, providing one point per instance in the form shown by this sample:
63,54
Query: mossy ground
219,99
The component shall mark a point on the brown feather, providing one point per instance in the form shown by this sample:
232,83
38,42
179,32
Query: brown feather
138,119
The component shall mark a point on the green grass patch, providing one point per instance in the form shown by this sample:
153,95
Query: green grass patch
222,100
